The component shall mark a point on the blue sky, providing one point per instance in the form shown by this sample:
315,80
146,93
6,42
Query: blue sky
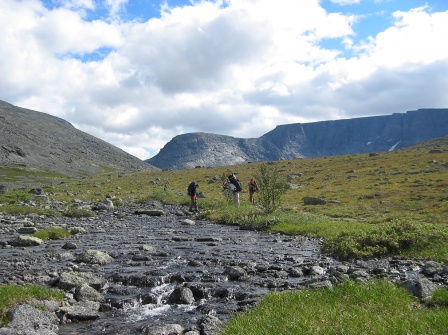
136,73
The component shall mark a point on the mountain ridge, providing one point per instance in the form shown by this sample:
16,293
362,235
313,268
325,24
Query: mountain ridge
32,139
305,140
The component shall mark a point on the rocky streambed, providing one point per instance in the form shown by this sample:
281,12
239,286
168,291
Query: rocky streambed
157,269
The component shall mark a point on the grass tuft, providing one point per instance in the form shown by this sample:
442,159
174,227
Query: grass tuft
55,233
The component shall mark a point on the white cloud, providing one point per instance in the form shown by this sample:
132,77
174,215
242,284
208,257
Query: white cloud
345,2
237,67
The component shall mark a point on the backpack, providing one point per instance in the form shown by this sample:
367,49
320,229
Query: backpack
191,188
236,182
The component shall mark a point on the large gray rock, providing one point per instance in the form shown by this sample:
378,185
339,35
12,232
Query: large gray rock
70,280
82,311
94,257
29,320
182,296
26,241
421,288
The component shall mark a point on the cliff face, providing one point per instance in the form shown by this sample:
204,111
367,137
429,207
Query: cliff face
292,141
44,142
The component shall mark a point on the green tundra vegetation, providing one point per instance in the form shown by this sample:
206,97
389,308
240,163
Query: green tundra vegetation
388,204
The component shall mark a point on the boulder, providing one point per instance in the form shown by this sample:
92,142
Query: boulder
313,201
88,293
3,189
82,311
234,272
150,212
94,257
181,296
26,241
70,280
29,320
421,288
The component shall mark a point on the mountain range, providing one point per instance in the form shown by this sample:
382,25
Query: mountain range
305,140
35,140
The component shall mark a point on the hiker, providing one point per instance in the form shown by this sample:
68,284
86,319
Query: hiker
236,188
253,187
192,192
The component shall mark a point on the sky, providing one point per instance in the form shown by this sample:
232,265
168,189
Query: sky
136,73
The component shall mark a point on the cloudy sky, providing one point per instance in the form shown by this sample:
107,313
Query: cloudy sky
136,73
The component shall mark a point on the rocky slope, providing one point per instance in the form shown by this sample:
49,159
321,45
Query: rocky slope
35,140
317,139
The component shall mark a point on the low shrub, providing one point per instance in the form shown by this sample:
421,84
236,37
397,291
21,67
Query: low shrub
25,210
55,233
439,298
75,212
14,196
387,239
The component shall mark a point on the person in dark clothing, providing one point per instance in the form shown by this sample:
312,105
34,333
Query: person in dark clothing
236,188
192,192
253,187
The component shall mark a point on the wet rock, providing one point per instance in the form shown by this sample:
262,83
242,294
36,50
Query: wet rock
94,257
170,329
69,246
70,280
314,271
188,222
150,212
78,231
82,311
147,248
295,272
25,241
27,230
181,296
88,293
234,272
210,325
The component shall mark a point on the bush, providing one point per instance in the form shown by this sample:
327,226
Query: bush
74,212
388,239
439,297
14,196
55,233
271,187
25,210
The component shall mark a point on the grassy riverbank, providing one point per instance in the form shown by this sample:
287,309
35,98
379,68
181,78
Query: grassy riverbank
392,204
376,308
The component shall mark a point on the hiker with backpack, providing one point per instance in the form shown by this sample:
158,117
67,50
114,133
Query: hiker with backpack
192,192
253,187
236,188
